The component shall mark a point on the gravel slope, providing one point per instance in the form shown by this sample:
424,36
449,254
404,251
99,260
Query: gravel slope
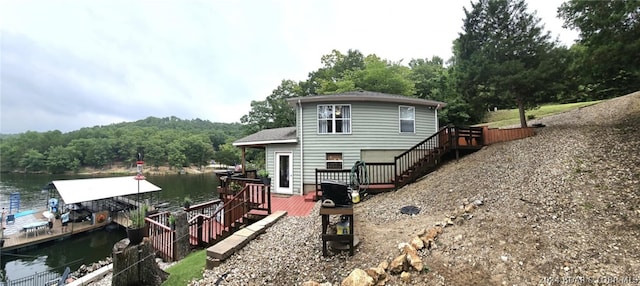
563,206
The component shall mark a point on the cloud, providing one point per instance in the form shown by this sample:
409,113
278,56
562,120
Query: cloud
65,65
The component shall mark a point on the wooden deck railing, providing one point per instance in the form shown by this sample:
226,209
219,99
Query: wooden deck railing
207,208
429,149
207,227
162,237
211,221
377,174
466,137
201,218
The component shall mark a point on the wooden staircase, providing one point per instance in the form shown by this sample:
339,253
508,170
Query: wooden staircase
427,155
216,220
412,164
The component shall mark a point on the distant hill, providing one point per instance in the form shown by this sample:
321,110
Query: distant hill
168,141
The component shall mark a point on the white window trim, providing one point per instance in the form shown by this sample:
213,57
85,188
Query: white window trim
333,119
334,161
400,119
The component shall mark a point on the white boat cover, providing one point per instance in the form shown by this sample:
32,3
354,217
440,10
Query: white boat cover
84,190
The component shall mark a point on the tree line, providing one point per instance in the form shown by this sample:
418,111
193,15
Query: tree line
503,58
165,141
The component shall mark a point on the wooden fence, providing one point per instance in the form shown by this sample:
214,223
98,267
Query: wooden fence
495,135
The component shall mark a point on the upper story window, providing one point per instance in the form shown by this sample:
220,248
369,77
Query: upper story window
407,119
334,119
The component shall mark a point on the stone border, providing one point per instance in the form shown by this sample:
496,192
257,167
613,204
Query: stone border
228,246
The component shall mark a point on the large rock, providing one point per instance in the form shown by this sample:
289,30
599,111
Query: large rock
430,234
417,243
384,265
401,246
378,274
405,277
397,265
357,277
413,258
470,207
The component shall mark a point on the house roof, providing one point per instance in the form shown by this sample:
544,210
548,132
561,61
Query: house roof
269,136
353,96
84,190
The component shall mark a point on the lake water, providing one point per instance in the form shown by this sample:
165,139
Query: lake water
90,247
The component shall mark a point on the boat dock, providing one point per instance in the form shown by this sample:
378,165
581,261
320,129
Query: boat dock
26,231
92,204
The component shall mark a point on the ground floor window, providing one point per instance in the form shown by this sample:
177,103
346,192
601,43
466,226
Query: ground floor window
334,161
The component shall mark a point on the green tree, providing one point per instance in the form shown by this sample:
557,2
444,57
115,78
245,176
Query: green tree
198,149
101,153
579,84
176,156
274,111
499,56
61,159
10,154
377,75
228,154
217,138
610,32
384,76
434,81
33,161
155,154
336,66
431,78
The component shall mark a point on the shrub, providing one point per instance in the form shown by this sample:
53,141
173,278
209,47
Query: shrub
137,218
263,173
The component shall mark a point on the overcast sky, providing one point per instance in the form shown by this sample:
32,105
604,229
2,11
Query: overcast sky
65,65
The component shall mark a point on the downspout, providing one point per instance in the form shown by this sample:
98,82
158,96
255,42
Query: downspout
437,123
301,151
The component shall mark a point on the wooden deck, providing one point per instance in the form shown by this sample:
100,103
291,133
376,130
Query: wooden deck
20,239
294,205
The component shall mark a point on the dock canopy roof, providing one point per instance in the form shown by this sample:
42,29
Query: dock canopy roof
84,190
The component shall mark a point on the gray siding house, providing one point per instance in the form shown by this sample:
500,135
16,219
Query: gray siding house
334,131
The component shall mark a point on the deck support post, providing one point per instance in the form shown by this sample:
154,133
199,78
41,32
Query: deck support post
180,237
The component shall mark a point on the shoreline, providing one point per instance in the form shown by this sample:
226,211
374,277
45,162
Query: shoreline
121,170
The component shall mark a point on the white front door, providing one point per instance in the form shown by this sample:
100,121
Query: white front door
284,173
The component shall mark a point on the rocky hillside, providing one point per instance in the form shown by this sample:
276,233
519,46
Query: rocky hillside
562,207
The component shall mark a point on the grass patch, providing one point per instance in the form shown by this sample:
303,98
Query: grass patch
508,117
187,269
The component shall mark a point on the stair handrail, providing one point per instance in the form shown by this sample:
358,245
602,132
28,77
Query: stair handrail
226,208
446,131
423,141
